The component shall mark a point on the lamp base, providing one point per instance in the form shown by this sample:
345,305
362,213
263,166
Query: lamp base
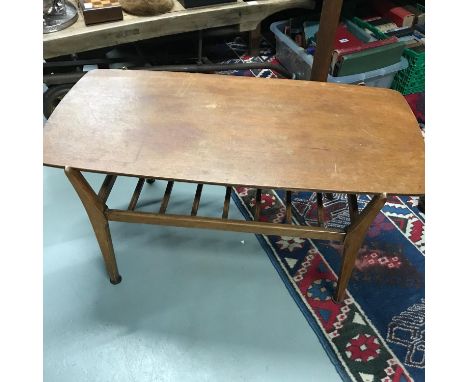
54,22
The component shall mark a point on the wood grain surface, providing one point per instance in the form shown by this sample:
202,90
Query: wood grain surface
283,134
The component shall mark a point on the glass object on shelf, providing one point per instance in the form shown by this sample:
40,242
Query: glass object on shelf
57,15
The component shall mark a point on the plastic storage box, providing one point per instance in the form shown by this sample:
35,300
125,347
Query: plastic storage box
299,63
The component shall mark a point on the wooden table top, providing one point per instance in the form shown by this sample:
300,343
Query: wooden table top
216,129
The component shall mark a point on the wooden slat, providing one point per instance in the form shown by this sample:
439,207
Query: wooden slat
225,225
288,207
136,194
106,187
320,212
167,195
227,200
258,201
196,200
353,207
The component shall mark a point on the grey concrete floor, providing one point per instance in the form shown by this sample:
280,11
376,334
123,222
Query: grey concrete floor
194,305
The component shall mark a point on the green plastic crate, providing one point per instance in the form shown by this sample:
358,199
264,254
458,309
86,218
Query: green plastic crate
411,79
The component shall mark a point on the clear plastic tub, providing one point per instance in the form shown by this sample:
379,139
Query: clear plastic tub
298,62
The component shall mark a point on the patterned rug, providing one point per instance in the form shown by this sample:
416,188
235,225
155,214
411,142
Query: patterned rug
377,333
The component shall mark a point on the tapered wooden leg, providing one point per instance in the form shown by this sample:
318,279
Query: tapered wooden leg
95,208
255,38
320,211
422,204
353,242
353,207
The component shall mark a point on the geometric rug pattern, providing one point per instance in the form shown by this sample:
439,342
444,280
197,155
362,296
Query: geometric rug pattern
377,333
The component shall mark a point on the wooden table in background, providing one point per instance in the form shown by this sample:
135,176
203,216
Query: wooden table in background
247,15
198,128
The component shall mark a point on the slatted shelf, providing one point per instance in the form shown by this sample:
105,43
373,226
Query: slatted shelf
224,223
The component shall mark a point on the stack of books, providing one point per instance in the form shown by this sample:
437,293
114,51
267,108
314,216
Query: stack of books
405,22
353,55
373,42
401,14
357,51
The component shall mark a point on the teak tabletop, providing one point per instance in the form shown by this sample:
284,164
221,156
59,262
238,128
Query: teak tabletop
214,129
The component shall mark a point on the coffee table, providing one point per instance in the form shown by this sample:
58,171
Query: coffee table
235,131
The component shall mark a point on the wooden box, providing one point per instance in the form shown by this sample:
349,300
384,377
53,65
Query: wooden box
100,11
